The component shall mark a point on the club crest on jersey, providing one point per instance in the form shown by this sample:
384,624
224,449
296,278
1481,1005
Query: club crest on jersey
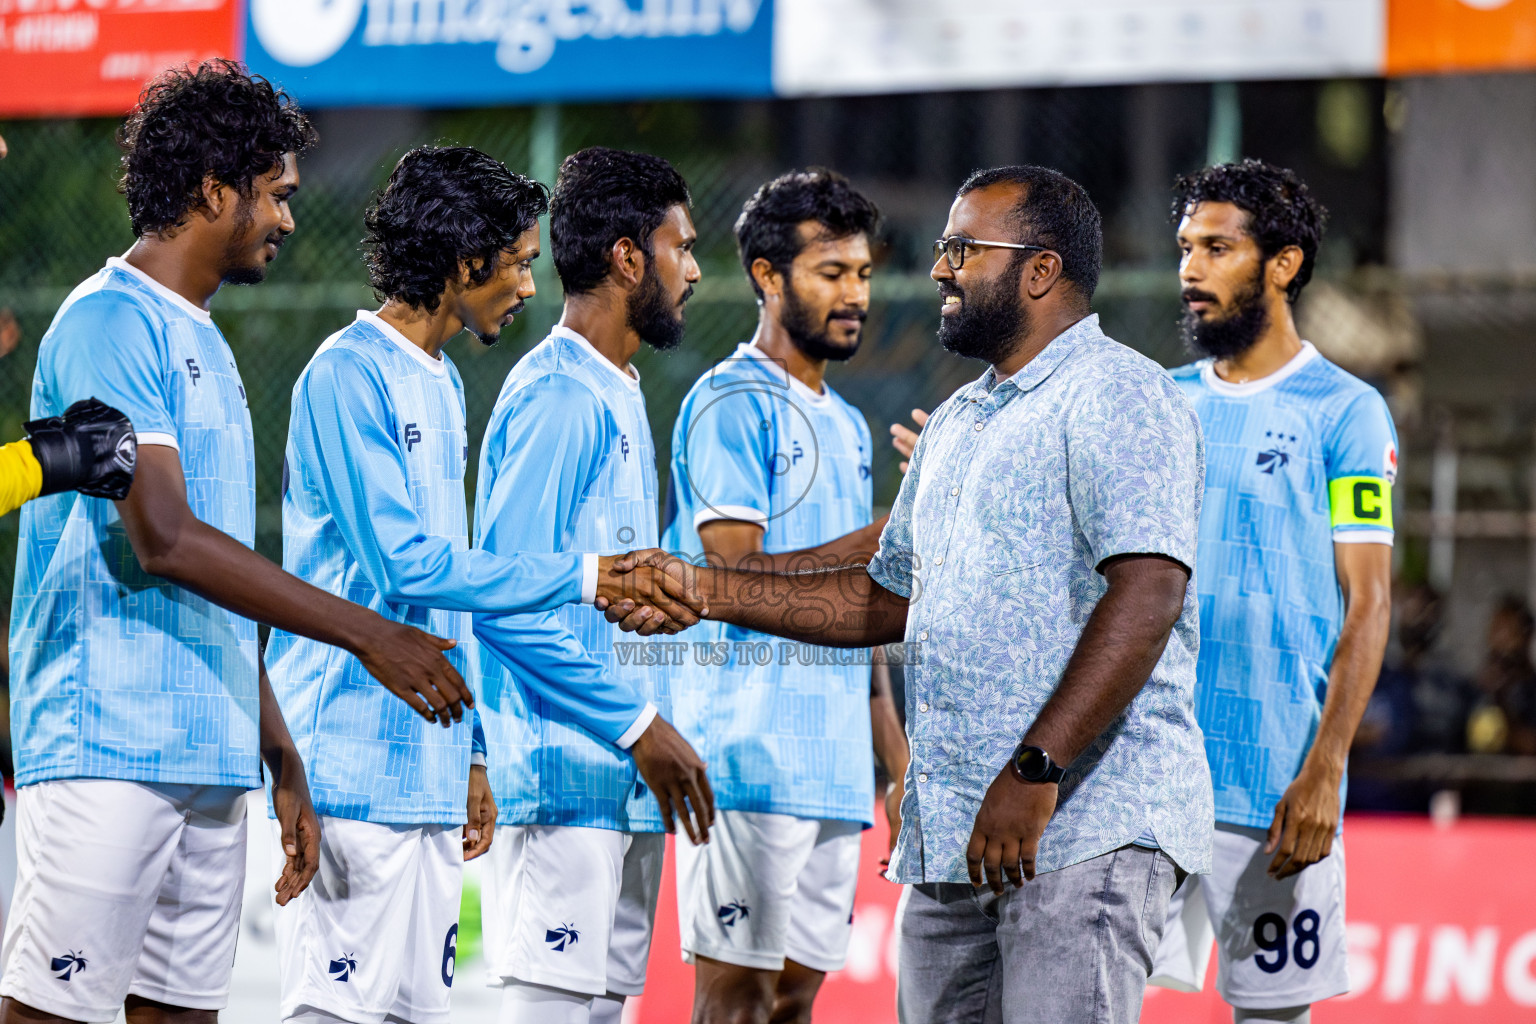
561,938
1275,456
732,912
68,965
343,967
1389,464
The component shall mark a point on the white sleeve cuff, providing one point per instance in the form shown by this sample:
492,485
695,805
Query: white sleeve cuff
743,513
1363,537
588,578
151,437
641,724
476,757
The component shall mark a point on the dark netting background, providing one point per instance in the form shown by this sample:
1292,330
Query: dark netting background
60,217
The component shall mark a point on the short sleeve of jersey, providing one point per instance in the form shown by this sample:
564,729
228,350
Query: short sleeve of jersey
1360,456
104,347
727,465
1136,468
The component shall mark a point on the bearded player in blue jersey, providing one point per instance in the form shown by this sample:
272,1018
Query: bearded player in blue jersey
140,709
375,511
568,465
1293,578
771,470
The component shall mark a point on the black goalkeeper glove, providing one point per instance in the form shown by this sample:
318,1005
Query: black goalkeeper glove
91,449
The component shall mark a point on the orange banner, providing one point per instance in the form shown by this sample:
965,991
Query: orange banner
1430,36
63,57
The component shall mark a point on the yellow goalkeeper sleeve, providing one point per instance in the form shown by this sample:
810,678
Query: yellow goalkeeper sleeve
21,476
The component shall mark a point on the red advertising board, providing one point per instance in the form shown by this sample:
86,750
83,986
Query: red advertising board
1442,929
61,57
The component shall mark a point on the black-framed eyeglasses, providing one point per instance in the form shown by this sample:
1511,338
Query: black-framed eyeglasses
953,248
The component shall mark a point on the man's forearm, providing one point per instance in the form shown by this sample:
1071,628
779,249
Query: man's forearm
277,745
739,545
1351,679
214,565
885,727
837,607
1119,647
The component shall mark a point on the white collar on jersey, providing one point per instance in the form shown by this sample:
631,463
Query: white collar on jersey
629,375
191,308
750,351
1252,387
433,363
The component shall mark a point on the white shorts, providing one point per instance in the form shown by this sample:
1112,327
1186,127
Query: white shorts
1281,944
769,887
570,907
376,932
124,888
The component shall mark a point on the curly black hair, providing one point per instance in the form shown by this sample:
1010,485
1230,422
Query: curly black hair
601,196
1280,209
215,119
1055,212
769,225
442,206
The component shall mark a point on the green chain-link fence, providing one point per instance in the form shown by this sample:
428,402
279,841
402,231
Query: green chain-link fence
60,217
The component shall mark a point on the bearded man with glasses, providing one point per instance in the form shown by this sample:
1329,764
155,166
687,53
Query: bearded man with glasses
1039,555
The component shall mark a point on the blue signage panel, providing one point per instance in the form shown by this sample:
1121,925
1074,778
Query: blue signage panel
485,52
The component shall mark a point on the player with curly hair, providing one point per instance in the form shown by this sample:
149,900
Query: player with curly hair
140,706
1294,587
374,510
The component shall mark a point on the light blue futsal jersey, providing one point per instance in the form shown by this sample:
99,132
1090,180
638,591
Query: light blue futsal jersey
374,512
1295,462
115,673
568,465
780,735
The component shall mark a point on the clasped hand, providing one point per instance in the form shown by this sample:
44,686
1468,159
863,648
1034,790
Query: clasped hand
649,591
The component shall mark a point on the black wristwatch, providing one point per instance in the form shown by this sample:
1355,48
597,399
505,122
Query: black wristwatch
1031,764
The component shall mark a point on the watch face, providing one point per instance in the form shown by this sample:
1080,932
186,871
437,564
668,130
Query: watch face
1033,763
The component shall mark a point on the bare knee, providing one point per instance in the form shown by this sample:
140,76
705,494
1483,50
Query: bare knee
794,994
730,994
139,1010
13,1012
1286,1015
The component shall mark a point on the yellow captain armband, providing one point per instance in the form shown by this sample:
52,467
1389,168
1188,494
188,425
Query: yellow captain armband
1360,501
21,476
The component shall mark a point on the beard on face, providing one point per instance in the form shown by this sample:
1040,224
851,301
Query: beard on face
812,338
991,321
1230,335
651,313
237,269
492,336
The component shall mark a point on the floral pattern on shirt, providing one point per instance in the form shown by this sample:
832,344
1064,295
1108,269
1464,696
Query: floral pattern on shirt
1017,491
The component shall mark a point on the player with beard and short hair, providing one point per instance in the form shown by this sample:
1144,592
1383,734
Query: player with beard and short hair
1294,584
771,470
141,709
374,509
587,772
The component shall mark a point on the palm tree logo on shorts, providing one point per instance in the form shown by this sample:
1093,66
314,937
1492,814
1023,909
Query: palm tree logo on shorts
70,964
732,912
343,967
560,938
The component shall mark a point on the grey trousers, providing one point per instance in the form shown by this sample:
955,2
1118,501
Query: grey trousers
1073,946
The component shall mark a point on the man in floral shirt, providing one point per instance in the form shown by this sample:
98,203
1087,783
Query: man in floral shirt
1039,558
